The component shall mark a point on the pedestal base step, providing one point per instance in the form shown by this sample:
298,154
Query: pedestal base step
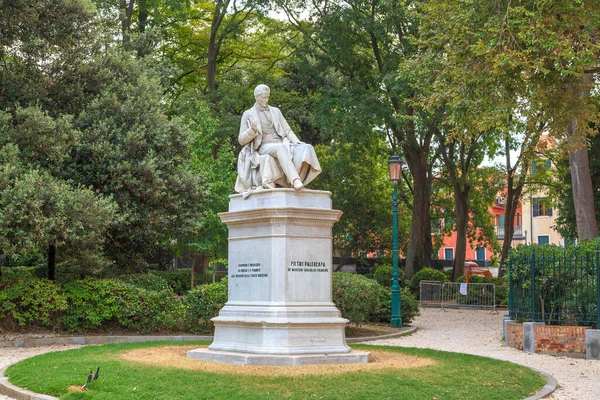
226,357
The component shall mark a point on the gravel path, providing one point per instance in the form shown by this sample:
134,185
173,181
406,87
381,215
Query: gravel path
479,332
464,331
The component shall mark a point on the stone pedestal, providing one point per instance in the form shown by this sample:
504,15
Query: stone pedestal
280,309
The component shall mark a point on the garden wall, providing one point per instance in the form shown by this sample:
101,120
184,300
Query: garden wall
548,339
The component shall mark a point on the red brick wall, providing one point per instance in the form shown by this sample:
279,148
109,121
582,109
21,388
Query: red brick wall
549,339
515,335
559,339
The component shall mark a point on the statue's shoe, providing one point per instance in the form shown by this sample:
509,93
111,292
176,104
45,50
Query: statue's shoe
298,184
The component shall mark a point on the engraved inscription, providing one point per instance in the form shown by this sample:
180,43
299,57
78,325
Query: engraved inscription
249,270
308,266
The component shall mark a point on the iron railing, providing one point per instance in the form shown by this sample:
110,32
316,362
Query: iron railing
555,287
517,231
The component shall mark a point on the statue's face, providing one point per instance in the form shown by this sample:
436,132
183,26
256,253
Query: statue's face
263,99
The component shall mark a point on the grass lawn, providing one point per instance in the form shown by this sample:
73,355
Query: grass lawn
445,376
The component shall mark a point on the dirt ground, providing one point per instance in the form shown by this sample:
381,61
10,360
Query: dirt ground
176,356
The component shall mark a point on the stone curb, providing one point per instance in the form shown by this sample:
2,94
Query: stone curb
83,340
401,332
549,387
8,389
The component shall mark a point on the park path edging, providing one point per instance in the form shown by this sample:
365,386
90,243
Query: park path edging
83,340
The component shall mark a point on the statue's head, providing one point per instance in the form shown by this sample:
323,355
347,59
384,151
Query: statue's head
261,94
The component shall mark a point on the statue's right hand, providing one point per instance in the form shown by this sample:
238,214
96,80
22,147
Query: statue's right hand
254,126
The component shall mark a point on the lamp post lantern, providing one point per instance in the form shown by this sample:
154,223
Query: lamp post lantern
395,164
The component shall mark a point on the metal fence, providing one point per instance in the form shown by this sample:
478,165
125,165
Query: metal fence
457,295
558,287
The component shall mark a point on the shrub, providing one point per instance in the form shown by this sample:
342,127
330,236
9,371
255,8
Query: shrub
16,273
204,303
112,303
409,308
180,280
150,311
426,274
93,302
383,275
31,301
355,296
149,281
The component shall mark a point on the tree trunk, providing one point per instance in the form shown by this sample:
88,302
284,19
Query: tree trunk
583,196
461,208
126,10
418,254
52,262
213,48
513,197
142,16
583,192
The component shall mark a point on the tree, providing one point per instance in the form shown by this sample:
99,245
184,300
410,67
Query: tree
566,221
38,209
537,59
99,130
362,46
357,176
132,151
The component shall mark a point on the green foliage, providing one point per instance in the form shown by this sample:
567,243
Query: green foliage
140,159
107,303
409,307
356,174
355,296
425,274
148,281
204,303
383,275
93,304
148,311
180,280
553,284
31,302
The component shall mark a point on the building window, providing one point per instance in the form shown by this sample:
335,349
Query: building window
449,253
541,207
518,220
480,253
543,239
500,220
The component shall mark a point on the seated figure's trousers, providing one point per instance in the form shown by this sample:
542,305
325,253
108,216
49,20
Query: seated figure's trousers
281,152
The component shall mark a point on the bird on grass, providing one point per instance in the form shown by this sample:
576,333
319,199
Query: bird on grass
92,377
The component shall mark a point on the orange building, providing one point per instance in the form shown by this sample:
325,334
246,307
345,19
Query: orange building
483,254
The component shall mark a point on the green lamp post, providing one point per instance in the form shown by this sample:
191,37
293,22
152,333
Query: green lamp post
395,167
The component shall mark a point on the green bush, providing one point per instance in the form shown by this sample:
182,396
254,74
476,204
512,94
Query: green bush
204,303
31,301
148,311
409,308
93,303
563,280
383,275
149,281
180,280
15,273
355,296
426,274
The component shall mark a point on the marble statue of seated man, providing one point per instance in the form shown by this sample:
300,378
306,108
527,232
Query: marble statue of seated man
272,155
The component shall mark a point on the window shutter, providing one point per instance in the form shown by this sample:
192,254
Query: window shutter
548,165
550,211
535,207
533,168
